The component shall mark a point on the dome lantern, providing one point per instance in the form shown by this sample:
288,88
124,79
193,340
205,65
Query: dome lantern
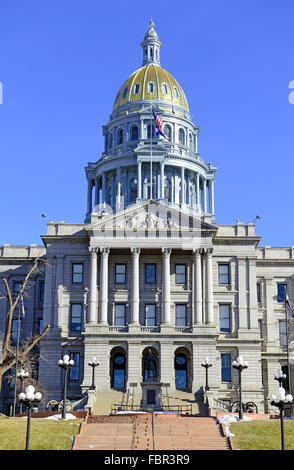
151,46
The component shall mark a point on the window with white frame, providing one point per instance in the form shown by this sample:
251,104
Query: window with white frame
225,317
74,371
76,310
181,315
119,314
150,314
77,272
224,273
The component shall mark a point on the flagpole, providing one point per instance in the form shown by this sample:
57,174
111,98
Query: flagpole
151,127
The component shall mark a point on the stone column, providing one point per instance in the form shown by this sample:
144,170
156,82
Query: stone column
96,201
89,198
209,286
243,324
197,190
135,302
182,185
104,285
197,287
204,196
161,180
93,286
58,301
103,187
166,285
252,294
139,180
212,196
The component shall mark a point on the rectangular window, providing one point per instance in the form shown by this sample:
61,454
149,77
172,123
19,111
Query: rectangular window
16,287
181,315
224,317
120,315
74,371
14,332
120,274
226,367
77,272
150,273
282,333
258,292
224,274
76,317
180,274
41,291
150,315
281,292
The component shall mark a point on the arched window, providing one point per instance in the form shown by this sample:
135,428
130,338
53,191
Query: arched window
133,189
148,131
181,371
134,133
120,136
167,131
150,366
190,142
118,370
167,189
182,136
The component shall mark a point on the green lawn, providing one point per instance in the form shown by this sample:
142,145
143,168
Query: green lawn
262,435
46,434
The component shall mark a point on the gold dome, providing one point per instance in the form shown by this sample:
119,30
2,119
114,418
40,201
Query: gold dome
151,82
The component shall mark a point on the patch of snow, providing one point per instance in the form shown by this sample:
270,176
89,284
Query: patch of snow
67,416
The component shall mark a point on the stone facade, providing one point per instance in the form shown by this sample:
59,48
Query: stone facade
151,272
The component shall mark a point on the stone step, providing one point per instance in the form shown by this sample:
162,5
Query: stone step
157,431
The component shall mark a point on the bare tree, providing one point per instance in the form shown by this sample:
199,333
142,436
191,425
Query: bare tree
8,357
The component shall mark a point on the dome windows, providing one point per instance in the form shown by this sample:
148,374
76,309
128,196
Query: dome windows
176,92
150,87
125,92
164,88
136,89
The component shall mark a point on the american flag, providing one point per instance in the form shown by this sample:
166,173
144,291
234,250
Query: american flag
158,123
289,306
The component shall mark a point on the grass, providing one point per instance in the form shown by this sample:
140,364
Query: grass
262,435
46,434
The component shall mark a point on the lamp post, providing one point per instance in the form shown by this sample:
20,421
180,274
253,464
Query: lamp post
66,363
21,375
240,365
94,363
280,401
29,398
279,376
206,364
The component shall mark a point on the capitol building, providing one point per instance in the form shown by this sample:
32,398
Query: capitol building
150,283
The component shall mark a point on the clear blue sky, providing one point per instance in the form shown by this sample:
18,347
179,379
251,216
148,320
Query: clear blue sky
63,61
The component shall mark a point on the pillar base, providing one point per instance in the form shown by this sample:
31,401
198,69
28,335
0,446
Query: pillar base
166,328
134,327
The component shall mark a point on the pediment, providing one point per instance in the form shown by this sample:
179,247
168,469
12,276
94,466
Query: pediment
152,216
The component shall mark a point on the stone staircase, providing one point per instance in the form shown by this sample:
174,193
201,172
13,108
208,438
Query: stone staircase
150,431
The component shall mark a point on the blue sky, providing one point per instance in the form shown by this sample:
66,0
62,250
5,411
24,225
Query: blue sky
63,61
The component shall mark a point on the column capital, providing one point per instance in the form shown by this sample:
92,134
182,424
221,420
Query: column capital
104,250
135,250
93,250
166,251
208,251
197,251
